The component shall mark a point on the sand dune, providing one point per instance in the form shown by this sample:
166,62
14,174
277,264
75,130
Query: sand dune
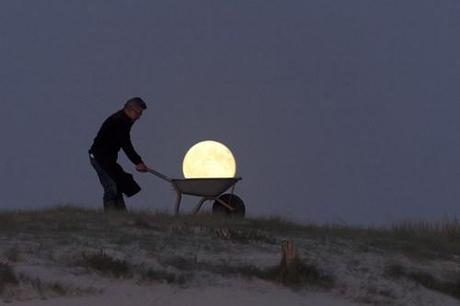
69,256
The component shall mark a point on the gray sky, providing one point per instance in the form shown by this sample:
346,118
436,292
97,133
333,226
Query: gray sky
335,110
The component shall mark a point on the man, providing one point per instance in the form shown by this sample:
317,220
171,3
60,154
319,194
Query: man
114,135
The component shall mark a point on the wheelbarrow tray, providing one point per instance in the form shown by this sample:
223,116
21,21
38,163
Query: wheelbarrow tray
204,187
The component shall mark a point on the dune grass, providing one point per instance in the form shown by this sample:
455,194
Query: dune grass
105,264
420,239
168,247
157,275
7,276
450,287
299,274
43,288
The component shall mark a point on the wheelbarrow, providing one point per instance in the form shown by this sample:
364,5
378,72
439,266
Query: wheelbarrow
209,189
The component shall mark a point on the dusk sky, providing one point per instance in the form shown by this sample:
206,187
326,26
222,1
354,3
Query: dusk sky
336,111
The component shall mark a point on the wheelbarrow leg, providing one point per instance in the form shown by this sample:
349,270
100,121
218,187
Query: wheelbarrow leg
178,199
198,206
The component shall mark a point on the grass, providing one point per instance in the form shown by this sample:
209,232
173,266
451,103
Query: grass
429,239
217,235
43,287
12,254
447,228
111,267
106,265
298,275
420,239
7,276
425,279
244,236
151,274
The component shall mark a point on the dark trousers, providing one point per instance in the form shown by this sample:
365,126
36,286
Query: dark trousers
113,198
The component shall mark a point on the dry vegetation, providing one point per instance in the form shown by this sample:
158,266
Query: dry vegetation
156,247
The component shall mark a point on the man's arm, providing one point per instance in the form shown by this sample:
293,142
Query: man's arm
128,148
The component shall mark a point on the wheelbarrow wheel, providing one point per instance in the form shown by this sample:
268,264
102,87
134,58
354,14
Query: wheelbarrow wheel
233,201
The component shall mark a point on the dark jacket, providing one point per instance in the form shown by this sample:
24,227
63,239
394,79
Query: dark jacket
113,136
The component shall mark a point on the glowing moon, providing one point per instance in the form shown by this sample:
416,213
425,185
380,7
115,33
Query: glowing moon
209,159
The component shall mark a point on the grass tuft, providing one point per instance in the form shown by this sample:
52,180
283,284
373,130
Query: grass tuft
12,254
425,279
107,265
7,276
447,228
298,274
151,274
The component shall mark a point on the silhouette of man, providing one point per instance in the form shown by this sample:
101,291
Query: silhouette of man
114,135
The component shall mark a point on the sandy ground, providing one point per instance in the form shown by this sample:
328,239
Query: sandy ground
243,294
46,253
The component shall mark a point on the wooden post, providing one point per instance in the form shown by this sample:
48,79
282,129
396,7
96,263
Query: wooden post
288,253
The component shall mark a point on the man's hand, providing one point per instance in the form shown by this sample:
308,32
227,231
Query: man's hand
141,167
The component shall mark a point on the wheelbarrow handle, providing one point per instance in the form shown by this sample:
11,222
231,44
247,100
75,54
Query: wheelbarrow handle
160,175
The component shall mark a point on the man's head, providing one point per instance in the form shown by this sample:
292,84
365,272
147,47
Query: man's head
134,107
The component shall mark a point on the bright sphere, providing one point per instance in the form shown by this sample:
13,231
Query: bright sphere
209,159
